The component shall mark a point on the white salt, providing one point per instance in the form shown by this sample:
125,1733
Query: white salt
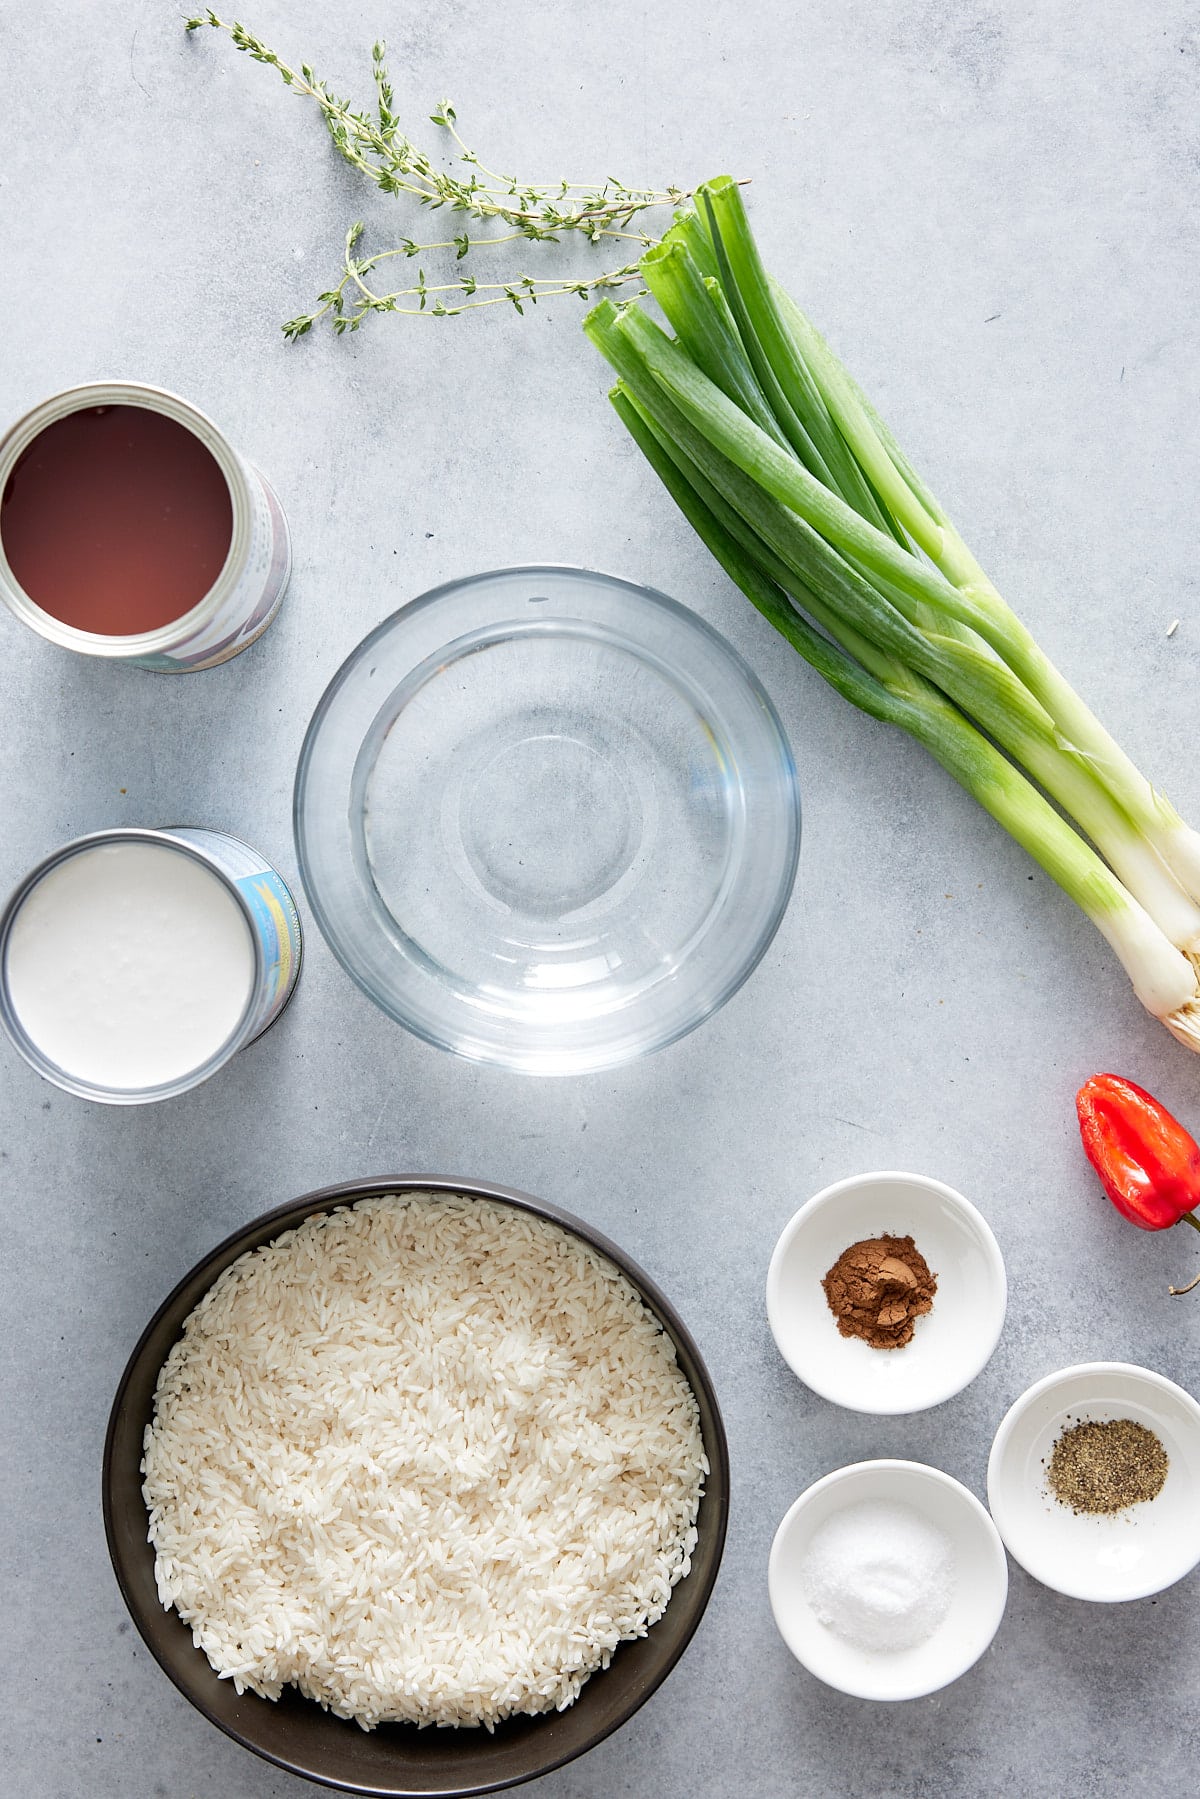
879,1575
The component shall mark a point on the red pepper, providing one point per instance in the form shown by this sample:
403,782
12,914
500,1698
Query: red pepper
1148,1164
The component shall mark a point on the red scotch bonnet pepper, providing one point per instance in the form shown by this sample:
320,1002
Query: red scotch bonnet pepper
1148,1164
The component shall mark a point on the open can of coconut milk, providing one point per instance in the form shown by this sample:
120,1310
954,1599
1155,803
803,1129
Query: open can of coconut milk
131,529
135,963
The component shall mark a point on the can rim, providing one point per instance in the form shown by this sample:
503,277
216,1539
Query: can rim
20,435
242,1033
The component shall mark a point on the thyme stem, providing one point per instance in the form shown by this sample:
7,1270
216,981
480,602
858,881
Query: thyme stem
393,162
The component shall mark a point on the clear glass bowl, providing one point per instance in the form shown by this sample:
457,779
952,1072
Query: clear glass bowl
546,818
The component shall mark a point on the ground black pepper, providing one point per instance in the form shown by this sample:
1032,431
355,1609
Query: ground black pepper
1105,1466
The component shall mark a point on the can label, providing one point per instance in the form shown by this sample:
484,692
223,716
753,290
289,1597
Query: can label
276,921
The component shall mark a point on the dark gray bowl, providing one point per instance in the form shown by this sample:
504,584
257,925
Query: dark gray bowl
397,1760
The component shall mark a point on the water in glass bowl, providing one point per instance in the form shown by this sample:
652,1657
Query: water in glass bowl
547,818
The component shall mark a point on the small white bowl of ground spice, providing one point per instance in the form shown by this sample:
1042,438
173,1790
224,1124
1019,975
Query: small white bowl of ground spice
886,1293
1094,1481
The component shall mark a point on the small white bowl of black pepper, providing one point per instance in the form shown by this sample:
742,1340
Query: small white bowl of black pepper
1094,1481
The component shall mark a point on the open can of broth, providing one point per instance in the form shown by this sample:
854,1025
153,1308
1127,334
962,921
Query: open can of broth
130,528
135,963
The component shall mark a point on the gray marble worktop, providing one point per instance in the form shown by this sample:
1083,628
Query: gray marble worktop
992,208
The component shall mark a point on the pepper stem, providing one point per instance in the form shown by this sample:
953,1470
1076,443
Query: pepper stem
1186,1218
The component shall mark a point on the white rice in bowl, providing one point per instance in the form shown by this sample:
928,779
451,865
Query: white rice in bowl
428,1458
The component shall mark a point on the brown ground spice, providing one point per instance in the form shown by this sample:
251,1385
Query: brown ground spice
878,1288
1106,1466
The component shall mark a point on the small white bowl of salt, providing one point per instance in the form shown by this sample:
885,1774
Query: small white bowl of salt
887,1579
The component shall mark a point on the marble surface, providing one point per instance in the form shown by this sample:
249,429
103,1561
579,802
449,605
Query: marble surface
991,207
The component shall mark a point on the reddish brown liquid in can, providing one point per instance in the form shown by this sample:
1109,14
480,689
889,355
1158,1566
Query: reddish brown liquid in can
116,520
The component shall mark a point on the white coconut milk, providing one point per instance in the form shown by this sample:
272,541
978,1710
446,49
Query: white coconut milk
129,964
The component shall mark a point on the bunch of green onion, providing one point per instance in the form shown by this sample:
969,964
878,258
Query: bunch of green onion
801,492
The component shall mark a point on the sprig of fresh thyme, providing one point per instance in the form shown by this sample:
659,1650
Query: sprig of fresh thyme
375,145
